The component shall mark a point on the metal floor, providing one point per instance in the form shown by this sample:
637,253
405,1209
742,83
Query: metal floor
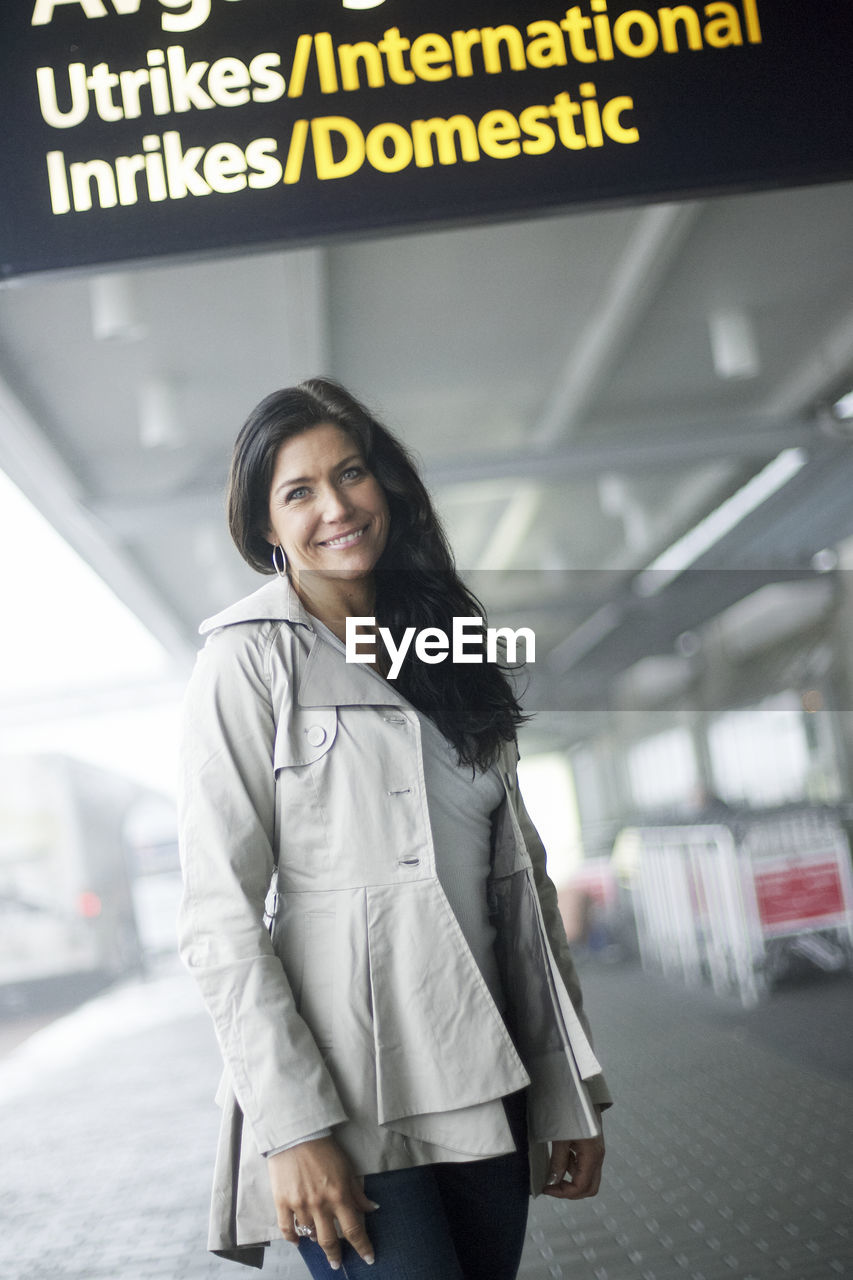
726,1157
729,1149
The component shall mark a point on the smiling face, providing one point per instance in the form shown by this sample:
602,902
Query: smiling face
327,512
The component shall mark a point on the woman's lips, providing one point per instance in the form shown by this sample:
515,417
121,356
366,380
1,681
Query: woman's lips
344,539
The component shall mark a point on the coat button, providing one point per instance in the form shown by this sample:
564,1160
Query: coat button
316,735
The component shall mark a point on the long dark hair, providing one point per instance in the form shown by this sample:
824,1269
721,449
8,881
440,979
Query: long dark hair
416,580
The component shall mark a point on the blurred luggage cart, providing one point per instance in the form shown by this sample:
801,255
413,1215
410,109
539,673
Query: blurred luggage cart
739,904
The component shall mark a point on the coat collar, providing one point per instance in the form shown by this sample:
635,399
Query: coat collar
326,680
275,601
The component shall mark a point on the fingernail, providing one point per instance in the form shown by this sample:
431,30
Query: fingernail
370,1259
553,1180
336,1266
373,1204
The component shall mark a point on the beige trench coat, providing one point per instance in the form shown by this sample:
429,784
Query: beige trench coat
366,1009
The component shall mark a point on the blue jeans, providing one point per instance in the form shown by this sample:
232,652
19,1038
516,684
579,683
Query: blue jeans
448,1221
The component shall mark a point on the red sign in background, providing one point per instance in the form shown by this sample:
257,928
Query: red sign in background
798,892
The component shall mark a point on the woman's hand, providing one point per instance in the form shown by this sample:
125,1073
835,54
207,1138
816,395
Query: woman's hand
575,1169
313,1184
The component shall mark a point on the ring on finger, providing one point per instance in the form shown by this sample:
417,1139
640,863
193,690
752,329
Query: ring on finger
301,1229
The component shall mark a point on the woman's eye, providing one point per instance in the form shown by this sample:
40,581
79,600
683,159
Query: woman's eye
297,493
352,471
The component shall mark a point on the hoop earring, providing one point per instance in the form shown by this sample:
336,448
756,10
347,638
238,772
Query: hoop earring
282,572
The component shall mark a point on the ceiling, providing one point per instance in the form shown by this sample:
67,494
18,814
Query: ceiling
556,376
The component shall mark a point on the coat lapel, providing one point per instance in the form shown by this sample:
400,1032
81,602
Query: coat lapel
328,680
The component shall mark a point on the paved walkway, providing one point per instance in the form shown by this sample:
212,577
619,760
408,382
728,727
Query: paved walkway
728,1151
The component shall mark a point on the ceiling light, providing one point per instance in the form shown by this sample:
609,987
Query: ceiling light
825,560
158,414
688,644
734,346
843,408
114,313
688,549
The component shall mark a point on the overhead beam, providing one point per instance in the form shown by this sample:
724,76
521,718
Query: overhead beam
635,450
659,232
810,383
657,237
32,464
746,438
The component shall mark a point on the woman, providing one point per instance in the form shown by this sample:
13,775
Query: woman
406,1045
